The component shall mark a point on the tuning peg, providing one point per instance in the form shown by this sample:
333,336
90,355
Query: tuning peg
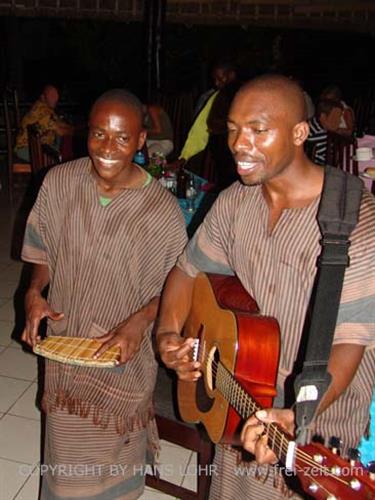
354,456
335,444
317,438
371,469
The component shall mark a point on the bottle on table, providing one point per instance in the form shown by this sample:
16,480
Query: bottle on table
182,179
191,194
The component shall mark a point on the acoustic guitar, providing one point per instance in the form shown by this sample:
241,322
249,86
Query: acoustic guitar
239,351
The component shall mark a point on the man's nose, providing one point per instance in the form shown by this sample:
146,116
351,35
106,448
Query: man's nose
107,145
241,142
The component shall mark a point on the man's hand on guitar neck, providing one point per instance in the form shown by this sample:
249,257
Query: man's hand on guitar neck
175,353
254,433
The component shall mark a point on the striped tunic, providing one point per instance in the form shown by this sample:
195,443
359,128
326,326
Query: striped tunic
105,263
278,270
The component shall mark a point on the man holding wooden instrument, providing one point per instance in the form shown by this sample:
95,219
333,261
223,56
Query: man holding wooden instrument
265,231
103,234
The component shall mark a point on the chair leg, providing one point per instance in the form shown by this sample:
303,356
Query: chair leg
205,470
188,437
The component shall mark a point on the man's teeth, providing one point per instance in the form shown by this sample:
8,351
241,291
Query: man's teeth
109,162
246,165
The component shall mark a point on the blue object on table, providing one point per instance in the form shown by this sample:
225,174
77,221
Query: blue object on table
367,446
183,203
139,158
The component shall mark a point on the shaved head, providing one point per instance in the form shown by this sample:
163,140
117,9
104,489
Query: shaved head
123,97
287,93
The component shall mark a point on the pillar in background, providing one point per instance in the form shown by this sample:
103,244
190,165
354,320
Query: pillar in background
154,44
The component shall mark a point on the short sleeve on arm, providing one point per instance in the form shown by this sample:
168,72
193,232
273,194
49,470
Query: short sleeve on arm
209,250
34,249
356,317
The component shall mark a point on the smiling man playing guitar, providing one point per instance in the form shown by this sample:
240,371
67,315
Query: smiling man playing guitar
264,230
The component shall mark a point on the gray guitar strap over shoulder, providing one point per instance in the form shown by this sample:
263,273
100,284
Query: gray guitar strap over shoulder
337,216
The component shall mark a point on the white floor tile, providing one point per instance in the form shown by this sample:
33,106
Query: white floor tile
19,439
16,265
151,494
26,404
16,344
10,391
173,462
7,312
16,363
3,300
11,274
3,265
30,489
13,475
6,328
7,289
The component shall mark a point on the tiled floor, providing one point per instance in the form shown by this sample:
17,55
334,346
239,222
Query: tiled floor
19,416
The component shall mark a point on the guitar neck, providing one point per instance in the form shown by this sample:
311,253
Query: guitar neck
246,406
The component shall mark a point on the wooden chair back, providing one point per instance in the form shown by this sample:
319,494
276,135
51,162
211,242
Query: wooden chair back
51,156
364,110
341,152
12,122
41,155
172,429
35,149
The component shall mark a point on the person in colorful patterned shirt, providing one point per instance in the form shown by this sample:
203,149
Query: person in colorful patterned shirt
51,127
264,229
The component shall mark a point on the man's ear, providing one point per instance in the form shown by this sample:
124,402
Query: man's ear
300,133
142,139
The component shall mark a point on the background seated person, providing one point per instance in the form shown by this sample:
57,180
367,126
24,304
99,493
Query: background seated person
347,121
159,130
327,118
51,127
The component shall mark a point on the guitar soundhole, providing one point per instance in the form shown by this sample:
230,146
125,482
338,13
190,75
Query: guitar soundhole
203,400
213,359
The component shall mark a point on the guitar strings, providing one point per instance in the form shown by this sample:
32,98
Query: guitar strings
277,435
314,480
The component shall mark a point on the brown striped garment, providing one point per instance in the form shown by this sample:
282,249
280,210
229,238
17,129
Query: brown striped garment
278,270
105,263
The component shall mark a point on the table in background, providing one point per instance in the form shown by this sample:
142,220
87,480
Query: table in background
203,203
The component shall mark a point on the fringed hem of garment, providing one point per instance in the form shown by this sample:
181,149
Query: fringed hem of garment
153,442
100,417
262,472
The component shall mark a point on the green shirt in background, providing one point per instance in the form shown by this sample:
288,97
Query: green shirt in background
197,138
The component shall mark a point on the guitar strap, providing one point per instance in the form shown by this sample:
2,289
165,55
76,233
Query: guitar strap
337,216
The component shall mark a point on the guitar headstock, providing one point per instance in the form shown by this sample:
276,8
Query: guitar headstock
324,474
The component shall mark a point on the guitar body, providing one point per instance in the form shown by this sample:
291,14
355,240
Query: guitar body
231,330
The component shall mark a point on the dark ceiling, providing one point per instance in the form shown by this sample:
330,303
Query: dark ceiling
350,15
